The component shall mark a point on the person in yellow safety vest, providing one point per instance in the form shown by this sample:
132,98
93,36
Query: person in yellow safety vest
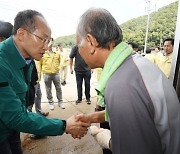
157,54
150,56
50,64
164,62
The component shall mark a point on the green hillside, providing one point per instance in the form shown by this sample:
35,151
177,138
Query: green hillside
66,41
162,25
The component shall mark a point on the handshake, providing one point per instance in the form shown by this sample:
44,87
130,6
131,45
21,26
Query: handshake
78,125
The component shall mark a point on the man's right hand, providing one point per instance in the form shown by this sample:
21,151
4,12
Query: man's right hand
71,70
75,127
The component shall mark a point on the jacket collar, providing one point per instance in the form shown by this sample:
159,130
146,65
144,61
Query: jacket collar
13,55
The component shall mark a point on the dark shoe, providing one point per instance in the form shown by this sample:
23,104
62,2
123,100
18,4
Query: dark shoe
88,101
44,113
34,137
78,101
63,83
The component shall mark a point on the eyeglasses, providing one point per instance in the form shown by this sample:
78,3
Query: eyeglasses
44,41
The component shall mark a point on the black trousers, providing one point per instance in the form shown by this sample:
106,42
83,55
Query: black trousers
80,76
12,145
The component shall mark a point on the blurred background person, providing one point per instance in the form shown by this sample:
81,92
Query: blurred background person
134,46
157,54
63,64
36,95
164,62
50,66
149,55
83,72
5,30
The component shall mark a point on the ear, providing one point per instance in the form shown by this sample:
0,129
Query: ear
92,40
21,34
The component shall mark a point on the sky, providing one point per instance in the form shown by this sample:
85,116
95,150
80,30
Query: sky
63,15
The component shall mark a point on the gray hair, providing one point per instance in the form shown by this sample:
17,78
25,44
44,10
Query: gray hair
101,24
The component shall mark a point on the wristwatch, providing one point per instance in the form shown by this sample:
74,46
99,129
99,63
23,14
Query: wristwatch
64,125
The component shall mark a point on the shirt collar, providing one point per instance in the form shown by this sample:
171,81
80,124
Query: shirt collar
27,60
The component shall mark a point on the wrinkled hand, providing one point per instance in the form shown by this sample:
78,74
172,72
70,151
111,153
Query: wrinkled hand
75,127
84,118
101,135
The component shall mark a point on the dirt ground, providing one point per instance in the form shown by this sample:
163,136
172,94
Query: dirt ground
64,144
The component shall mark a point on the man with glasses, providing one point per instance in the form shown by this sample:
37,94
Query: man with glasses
44,41
31,37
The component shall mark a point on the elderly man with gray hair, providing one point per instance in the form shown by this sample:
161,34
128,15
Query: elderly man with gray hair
142,107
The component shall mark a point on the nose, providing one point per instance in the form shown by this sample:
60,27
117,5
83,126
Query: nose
45,47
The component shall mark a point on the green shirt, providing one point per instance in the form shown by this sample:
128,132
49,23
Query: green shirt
13,88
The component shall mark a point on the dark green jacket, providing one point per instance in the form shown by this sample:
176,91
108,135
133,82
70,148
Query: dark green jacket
13,88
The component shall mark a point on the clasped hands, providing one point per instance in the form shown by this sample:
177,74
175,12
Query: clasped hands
77,125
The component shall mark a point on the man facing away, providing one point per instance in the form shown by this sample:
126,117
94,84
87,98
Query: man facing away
134,46
141,103
149,55
31,37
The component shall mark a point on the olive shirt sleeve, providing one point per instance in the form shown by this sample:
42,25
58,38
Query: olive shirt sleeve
15,116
